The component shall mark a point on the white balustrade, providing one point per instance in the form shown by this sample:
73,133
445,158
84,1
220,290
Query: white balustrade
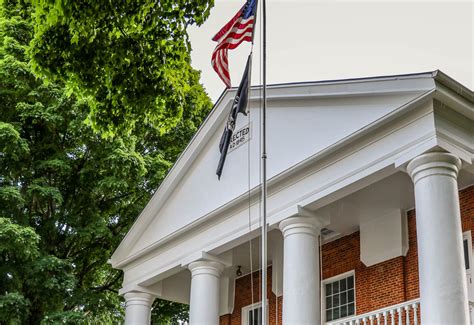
406,313
393,315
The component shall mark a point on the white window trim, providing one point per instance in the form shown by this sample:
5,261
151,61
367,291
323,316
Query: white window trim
332,279
245,311
470,286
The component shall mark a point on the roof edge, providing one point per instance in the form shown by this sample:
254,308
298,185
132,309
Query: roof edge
453,85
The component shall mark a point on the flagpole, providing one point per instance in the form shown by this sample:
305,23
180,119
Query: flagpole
264,166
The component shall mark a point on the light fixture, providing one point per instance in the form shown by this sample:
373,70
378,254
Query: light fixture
239,271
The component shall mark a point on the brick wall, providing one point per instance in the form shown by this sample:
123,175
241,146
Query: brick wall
387,283
243,297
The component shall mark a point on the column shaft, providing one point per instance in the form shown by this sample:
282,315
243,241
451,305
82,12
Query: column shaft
443,286
301,294
204,302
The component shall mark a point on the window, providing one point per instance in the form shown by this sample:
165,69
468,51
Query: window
339,296
252,314
255,316
467,249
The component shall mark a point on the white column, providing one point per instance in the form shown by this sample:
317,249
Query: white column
301,296
204,302
138,308
443,287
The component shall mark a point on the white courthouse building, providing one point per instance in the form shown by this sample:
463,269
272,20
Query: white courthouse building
370,210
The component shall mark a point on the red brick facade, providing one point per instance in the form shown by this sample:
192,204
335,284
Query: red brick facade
243,297
388,283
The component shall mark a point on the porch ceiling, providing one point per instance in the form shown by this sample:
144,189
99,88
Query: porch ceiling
388,194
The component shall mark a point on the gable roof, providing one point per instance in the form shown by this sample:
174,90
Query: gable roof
278,92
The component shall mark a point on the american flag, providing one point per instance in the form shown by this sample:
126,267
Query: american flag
237,30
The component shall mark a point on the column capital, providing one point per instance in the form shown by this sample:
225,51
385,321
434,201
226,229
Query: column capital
302,225
138,298
434,163
206,267
138,307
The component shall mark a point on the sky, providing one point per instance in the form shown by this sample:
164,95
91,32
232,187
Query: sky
310,40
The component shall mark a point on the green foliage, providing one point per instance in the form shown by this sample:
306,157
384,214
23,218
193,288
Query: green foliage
68,195
11,142
128,59
65,317
14,308
18,248
166,312
18,244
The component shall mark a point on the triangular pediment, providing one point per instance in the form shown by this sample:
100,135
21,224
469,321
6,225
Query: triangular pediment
302,121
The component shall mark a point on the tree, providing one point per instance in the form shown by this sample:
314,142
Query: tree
18,248
128,59
67,194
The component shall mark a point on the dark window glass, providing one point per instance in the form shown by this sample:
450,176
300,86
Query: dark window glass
328,289
350,295
255,316
350,282
343,298
335,287
344,311
466,254
350,309
328,302
328,315
342,285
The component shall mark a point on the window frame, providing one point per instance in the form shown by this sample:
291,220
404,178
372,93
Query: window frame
466,235
245,311
323,293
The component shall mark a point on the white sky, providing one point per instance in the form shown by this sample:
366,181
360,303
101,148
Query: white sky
333,39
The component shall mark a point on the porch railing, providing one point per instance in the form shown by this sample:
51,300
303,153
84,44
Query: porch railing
406,313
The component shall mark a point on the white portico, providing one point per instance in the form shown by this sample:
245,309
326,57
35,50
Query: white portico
342,156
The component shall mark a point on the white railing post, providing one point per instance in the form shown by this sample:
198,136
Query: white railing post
407,313
415,313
